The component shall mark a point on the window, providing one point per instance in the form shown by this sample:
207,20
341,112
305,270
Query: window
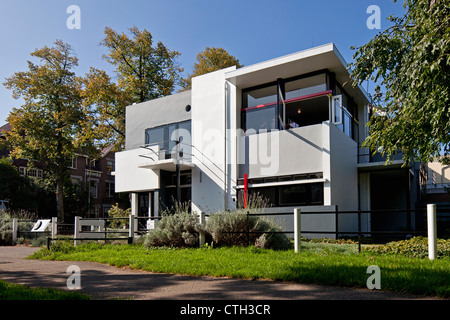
157,137
93,186
167,138
110,166
73,164
293,195
110,189
265,96
261,120
286,104
31,172
306,194
76,182
305,86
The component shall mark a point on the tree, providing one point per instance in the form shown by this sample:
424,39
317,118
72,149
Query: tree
46,127
209,60
144,72
412,61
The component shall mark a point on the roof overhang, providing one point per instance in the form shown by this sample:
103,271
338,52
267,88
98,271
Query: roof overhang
167,165
380,165
323,57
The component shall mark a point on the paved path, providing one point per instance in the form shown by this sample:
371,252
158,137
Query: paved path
106,282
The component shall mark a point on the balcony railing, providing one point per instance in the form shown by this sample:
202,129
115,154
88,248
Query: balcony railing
365,156
182,151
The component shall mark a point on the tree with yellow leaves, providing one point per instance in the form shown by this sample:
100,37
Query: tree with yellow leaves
209,60
46,128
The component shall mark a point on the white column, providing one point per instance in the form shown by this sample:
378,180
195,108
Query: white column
14,230
134,204
77,229
432,231
297,230
54,227
131,229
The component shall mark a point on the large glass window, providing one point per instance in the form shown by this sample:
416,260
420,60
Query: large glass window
293,194
168,136
265,96
260,119
305,86
289,103
157,136
305,194
306,102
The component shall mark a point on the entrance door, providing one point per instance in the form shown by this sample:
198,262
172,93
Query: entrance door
144,209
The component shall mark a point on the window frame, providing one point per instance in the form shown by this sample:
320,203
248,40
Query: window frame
334,99
281,100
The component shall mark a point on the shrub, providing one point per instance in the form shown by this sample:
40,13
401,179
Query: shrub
116,212
239,229
180,229
414,247
6,217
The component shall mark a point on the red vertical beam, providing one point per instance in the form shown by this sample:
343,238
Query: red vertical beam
245,189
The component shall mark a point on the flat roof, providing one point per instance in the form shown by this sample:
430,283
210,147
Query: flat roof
322,57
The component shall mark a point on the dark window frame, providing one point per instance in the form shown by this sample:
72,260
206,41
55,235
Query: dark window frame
278,188
280,85
167,144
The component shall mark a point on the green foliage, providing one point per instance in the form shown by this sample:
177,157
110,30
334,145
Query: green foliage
47,126
414,247
239,229
116,212
10,291
144,71
209,60
180,229
6,217
412,61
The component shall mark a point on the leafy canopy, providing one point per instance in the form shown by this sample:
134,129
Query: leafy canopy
46,128
209,60
144,71
412,61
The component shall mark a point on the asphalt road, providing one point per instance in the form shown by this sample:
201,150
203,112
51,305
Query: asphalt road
104,282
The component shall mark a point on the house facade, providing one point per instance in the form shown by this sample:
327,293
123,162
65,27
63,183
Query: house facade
95,175
288,129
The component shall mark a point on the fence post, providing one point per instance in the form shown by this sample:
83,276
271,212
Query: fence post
297,230
54,227
14,230
131,229
432,231
202,221
359,231
337,221
77,229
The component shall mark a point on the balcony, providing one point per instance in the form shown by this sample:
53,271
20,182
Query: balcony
139,169
368,161
164,159
298,150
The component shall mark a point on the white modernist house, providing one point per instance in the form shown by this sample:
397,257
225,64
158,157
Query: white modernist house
288,129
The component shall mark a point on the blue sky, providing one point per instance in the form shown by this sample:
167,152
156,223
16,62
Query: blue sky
251,30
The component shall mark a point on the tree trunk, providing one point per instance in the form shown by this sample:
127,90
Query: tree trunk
60,200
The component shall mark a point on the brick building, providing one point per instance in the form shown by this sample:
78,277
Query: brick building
94,175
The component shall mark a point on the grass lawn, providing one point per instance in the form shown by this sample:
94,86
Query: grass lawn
11,291
328,264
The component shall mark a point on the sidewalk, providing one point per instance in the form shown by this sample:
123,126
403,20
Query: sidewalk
104,282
